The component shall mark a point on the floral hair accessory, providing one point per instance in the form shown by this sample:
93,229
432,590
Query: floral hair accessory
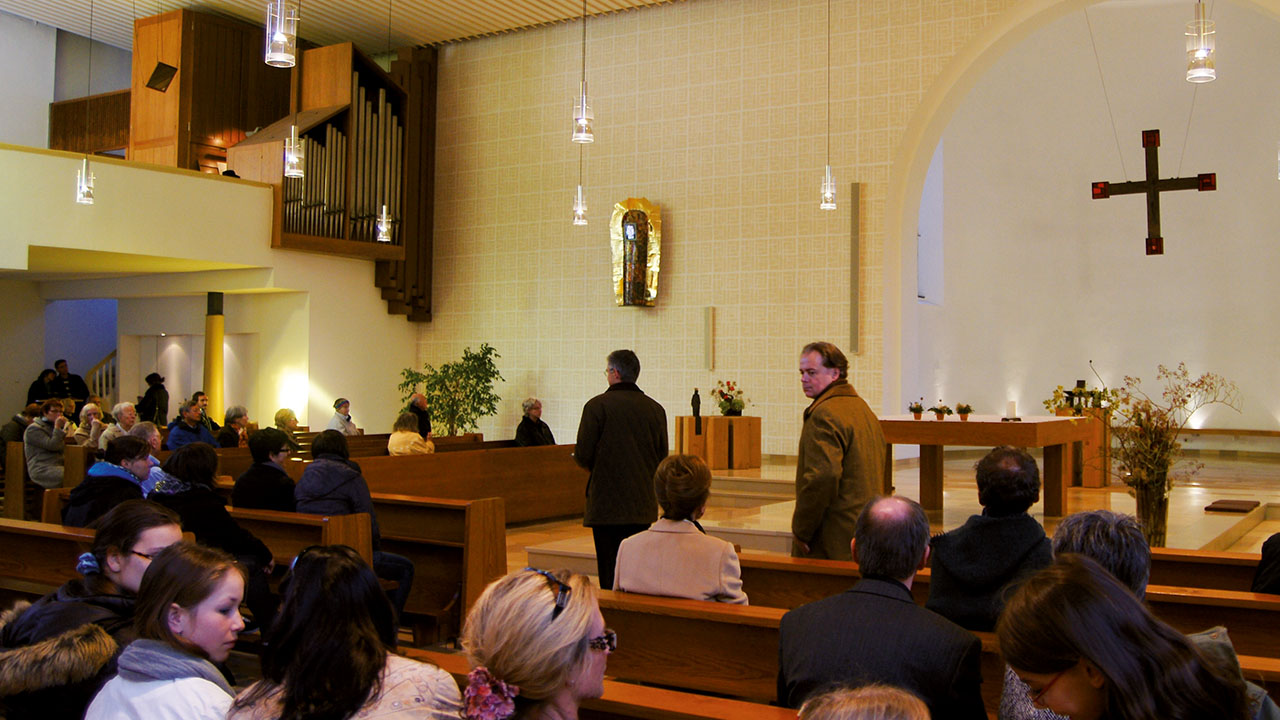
488,698
87,563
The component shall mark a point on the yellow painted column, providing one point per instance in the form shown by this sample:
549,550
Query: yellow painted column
213,361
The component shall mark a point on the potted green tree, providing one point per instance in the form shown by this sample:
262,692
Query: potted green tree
459,392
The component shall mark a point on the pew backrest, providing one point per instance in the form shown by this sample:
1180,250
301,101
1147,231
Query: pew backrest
626,700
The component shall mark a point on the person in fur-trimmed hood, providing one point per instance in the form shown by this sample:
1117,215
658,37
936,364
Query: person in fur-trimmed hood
57,653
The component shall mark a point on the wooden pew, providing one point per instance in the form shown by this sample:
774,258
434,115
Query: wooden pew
1252,618
457,548
626,700
733,650
38,556
20,493
1204,568
537,483
286,534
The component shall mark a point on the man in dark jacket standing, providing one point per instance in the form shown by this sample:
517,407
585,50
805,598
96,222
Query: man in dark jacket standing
621,439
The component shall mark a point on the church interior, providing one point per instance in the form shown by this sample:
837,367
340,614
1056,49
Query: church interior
967,259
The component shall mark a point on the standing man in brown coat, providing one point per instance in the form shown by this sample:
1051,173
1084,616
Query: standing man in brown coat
841,462
621,439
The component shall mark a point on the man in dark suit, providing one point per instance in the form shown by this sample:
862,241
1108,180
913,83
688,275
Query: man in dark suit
621,439
875,633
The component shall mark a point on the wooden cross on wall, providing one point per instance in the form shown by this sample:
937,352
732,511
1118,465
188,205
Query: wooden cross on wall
1153,186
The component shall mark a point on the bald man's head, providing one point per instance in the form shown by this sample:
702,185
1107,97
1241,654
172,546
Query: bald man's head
891,537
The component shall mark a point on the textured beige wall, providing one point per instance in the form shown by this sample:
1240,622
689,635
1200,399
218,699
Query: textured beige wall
716,111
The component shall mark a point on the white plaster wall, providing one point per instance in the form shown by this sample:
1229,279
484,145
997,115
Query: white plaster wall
22,327
1040,279
27,52
111,67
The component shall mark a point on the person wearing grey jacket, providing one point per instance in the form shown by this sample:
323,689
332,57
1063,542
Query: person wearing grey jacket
44,441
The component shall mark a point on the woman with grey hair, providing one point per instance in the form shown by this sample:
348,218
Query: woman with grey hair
126,415
234,432
91,426
532,431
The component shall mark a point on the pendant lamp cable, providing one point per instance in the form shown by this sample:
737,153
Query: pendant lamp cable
1186,135
828,82
1110,114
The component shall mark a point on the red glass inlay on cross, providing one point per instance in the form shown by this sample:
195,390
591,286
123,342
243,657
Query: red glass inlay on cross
1150,138
1101,190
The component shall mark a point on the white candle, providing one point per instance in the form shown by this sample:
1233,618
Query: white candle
1012,410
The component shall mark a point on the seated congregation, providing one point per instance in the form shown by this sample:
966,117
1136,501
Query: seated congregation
147,630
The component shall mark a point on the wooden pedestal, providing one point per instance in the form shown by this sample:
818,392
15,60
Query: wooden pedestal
726,443
1092,457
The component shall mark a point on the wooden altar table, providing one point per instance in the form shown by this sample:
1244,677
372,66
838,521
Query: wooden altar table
1054,434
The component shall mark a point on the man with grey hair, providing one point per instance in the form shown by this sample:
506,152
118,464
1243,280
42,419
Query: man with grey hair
840,464
834,640
187,429
621,439
234,432
126,416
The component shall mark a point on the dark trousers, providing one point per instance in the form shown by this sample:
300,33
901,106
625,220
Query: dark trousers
608,538
399,568
257,594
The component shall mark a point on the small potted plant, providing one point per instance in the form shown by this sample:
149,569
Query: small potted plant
940,411
729,397
964,410
916,408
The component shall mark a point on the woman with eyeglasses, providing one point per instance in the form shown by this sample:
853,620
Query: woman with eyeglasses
59,651
1088,649
328,655
538,647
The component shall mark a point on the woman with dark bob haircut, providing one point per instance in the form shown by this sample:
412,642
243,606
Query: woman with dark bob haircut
1089,650
674,557
328,655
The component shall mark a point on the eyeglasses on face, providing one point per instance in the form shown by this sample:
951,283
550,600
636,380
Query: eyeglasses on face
1035,699
142,555
608,642
562,592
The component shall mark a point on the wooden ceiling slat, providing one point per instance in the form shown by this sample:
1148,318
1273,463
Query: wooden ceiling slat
416,23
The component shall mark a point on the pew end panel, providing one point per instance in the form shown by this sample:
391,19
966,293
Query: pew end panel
1252,619
694,645
15,480
457,547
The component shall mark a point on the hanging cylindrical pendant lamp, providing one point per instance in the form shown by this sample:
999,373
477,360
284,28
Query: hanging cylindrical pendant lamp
384,226
84,183
828,192
282,33
828,183
84,176
580,209
580,201
295,155
582,115
1200,46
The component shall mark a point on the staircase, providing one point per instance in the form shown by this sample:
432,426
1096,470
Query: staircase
103,380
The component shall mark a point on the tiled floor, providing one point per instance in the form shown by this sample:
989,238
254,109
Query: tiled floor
1189,525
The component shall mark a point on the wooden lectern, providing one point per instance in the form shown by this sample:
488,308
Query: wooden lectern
726,442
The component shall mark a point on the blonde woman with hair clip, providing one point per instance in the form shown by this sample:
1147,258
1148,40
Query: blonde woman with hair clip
537,645
872,702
